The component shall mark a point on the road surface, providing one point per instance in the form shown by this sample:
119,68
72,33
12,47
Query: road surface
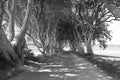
64,67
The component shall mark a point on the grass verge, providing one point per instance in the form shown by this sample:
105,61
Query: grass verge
108,66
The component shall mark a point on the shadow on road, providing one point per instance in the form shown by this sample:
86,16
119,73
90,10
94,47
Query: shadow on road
64,67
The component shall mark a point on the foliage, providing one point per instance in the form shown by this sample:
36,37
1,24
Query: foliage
94,17
113,7
102,35
53,23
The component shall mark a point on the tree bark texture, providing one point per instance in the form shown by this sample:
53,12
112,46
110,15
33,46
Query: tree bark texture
20,42
88,44
11,4
5,47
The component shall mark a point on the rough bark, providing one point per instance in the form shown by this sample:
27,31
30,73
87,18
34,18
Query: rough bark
20,42
88,44
5,47
41,38
11,12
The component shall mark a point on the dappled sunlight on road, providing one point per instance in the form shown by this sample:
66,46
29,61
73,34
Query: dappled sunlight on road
64,67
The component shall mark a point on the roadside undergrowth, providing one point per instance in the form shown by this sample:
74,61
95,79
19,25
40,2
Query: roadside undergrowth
108,66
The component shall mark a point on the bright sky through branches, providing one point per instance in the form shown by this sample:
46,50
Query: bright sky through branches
115,27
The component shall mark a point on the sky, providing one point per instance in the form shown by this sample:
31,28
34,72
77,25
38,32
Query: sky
115,27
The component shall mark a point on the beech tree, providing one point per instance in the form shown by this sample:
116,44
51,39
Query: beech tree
92,14
10,9
40,20
20,41
13,54
48,14
5,46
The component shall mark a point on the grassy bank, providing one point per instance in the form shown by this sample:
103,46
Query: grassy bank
111,67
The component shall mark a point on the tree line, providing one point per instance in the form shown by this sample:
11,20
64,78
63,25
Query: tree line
52,23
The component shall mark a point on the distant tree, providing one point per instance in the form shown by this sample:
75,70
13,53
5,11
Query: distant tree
48,13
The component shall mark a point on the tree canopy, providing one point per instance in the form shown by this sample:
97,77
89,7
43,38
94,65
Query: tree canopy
52,23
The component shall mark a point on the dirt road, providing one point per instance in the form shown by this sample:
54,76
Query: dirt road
64,67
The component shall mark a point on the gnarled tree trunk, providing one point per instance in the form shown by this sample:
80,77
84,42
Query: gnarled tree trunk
5,47
88,44
20,42
11,4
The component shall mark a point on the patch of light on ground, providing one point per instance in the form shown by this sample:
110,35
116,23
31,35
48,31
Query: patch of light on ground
54,75
45,70
72,75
